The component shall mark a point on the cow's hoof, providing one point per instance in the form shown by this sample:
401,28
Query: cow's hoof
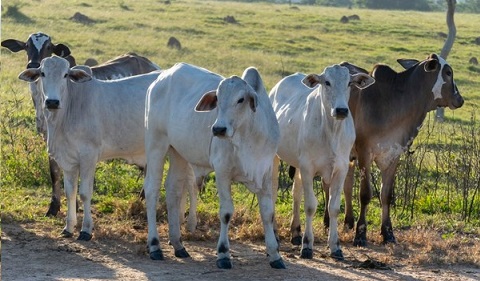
359,242
84,236
389,238
66,234
53,210
156,255
297,240
307,254
182,253
338,255
278,264
224,263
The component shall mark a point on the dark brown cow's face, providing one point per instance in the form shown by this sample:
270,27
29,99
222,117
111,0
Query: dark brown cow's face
444,90
38,46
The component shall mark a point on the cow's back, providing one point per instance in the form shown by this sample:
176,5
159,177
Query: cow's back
174,97
109,115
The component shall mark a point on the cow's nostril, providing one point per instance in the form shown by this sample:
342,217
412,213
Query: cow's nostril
33,65
52,104
219,131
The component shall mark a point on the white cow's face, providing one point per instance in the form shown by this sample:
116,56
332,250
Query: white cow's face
235,101
334,87
52,76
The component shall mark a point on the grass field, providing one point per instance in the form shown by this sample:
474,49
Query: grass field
278,40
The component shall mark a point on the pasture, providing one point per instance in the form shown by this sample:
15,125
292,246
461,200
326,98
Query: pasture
437,210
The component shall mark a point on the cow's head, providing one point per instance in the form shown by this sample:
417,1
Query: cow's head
235,100
38,46
53,75
445,91
334,86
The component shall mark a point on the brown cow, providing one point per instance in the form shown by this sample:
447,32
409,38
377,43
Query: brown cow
387,117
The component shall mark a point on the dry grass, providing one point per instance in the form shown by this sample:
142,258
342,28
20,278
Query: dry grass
415,247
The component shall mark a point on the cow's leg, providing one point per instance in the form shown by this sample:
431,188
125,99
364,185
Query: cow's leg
326,214
267,212
226,213
70,181
386,195
275,176
87,175
310,202
56,177
193,190
297,191
365,197
335,188
155,151
348,191
175,186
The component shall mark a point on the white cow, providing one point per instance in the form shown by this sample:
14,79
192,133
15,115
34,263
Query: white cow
246,134
317,135
89,120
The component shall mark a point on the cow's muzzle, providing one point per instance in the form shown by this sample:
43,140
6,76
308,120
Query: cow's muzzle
340,113
219,131
52,104
457,101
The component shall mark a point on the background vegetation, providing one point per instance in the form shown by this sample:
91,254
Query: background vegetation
438,186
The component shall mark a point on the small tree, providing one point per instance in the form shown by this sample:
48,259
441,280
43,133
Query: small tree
447,47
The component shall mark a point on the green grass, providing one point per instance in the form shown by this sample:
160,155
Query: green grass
277,40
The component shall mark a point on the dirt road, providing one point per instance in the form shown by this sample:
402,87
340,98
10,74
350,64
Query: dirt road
31,252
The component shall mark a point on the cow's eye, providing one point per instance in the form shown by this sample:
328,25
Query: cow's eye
240,100
327,83
65,76
449,73
42,73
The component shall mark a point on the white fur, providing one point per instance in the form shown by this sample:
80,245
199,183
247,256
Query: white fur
244,155
437,87
315,142
96,120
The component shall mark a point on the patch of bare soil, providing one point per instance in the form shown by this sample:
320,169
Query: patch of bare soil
31,252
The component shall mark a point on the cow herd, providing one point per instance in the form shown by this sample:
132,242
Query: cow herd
321,124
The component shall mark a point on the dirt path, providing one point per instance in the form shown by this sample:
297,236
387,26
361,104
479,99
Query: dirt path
29,252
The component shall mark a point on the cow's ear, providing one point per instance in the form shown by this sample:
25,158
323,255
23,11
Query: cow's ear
14,45
207,102
312,80
361,80
407,63
79,76
30,74
252,99
431,65
61,50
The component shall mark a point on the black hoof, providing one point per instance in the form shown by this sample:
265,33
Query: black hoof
182,253
359,242
297,240
53,210
66,234
388,237
156,255
84,236
390,240
278,264
338,255
224,263
307,254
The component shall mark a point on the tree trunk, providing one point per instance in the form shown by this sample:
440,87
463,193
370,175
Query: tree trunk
452,32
